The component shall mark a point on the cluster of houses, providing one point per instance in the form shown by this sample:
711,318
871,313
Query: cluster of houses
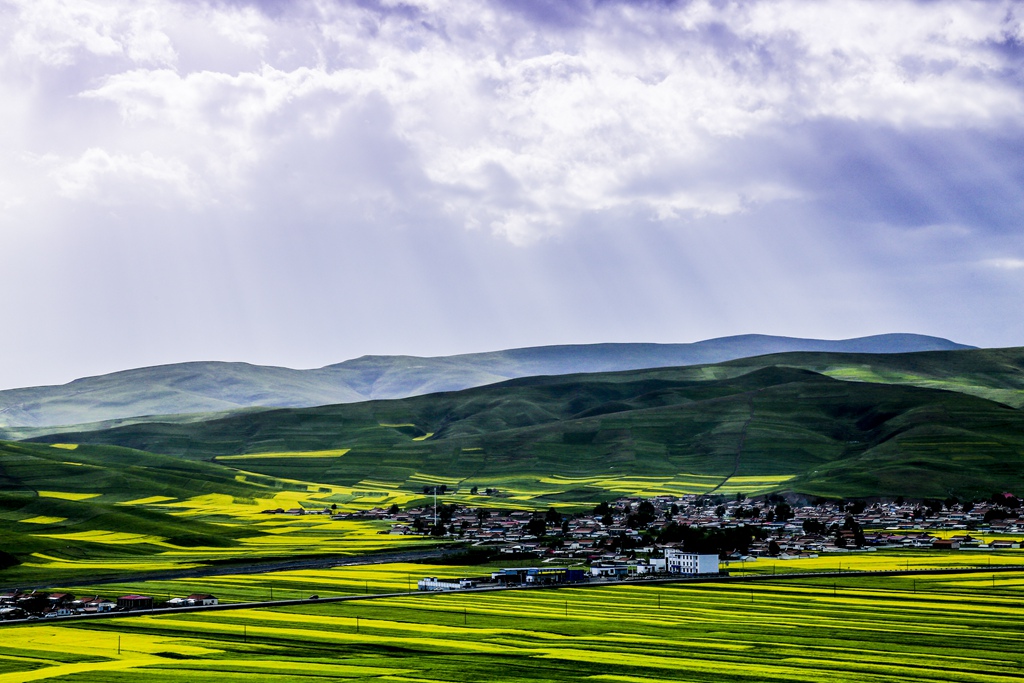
16,604
781,528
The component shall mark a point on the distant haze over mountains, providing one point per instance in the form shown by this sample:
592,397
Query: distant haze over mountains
201,387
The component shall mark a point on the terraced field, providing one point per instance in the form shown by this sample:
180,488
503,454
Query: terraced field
948,628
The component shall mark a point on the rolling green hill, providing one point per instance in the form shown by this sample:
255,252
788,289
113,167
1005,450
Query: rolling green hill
771,418
995,374
70,503
214,386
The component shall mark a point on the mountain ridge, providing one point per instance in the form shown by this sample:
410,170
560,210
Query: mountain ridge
223,386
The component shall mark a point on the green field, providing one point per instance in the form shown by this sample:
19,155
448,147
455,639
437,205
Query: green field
94,511
946,628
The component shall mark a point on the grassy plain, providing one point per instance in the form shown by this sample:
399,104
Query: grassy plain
929,628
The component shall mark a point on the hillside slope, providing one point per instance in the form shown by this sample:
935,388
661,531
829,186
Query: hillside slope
216,386
810,432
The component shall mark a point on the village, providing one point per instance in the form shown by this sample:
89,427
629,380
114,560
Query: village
736,528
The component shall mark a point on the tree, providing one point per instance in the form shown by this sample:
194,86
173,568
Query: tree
850,524
537,527
814,526
607,519
394,509
553,516
446,512
995,513
334,506
783,512
773,548
674,510
474,490
645,513
720,511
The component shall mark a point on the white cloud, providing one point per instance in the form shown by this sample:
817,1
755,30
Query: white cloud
243,26
517,126
1008,263
56,31
114,179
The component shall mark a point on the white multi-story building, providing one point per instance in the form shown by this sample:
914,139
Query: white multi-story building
432,583
681,562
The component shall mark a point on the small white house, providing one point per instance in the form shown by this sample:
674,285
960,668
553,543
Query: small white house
201,599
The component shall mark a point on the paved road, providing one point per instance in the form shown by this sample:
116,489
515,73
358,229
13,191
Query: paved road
489,589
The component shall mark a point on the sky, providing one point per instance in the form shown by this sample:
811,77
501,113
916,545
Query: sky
302,182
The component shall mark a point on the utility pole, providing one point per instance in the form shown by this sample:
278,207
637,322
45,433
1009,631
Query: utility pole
435,507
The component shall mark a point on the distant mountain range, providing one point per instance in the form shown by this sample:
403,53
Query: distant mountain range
204,387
